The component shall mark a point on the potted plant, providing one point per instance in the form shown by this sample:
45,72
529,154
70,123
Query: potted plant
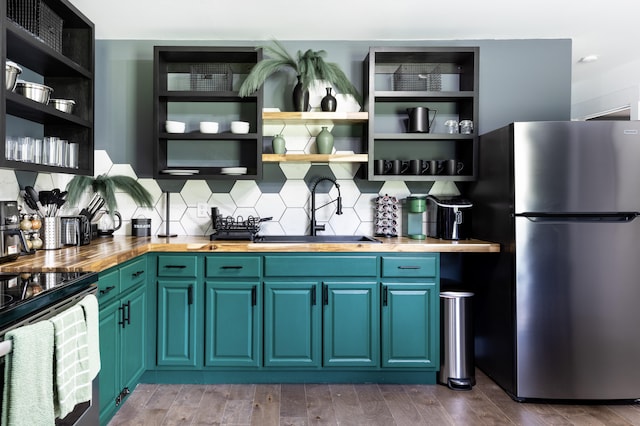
309,66
106,186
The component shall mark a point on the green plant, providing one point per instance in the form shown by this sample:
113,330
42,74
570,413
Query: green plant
309,66
106,186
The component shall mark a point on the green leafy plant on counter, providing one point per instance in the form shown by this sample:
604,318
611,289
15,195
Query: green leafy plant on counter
106,187
309,66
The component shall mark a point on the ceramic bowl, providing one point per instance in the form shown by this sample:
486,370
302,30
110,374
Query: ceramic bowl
209,127
240,127
175,126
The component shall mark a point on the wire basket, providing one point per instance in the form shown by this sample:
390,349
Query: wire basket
211,77
37,18
417,77
236,228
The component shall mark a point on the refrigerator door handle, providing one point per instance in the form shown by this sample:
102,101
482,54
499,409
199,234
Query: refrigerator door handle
581,217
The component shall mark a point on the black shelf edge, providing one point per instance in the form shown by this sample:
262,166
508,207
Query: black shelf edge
36,167
49,62
423,137
224,136
19,106
422,178
395,96
202,96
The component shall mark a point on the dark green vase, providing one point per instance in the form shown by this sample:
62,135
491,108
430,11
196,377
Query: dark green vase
324,141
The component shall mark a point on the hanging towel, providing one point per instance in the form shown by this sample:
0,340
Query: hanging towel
28,377
90,306
72,384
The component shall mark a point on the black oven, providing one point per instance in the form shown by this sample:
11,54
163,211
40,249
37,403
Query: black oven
26,298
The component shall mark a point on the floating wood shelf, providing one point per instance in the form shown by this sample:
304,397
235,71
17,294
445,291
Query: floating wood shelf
315,158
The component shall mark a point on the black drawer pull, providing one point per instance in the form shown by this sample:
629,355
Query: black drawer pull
408,267
254,296
313,295
385,295
231,267
123,319
175,266
190,295
137,274
107,290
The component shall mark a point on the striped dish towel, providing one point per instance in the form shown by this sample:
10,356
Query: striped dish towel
90,306
72,381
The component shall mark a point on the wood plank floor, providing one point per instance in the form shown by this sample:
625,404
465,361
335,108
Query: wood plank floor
345,404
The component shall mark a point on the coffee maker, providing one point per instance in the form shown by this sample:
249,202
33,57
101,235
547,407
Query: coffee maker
413,210
12,241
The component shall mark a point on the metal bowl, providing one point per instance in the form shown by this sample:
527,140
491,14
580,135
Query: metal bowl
34,91
64,105
12,70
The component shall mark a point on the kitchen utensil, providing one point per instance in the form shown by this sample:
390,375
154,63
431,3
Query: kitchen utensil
12,70
36,199
419,119
34,91
64,105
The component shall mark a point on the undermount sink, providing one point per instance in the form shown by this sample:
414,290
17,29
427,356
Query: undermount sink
315,239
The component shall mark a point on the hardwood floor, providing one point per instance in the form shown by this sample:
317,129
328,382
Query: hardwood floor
345,404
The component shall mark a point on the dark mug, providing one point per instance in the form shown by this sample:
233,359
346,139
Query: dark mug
453,167
418,167
399,167
382,167
435,167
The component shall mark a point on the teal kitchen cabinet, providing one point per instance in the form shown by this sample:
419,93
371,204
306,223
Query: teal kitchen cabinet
410,311
351,324
233,311
123,311
292,323
178,304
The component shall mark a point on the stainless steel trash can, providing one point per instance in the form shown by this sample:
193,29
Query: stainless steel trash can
457,369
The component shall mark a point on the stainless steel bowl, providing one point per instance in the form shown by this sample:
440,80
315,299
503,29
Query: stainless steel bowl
12,71
34,91
64,105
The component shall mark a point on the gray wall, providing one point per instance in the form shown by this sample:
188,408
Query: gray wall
520,80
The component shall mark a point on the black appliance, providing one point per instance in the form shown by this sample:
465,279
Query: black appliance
75,230
12,241
448,217
29,297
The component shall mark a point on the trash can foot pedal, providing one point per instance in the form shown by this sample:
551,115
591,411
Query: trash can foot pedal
460,384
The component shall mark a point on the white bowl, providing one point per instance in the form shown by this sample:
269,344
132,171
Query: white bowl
208,127
175,126
240,127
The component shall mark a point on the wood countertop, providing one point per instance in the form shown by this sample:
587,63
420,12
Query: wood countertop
104,253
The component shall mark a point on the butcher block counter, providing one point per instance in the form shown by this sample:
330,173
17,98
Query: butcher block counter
104,253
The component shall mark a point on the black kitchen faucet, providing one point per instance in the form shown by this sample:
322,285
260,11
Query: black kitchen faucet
314,226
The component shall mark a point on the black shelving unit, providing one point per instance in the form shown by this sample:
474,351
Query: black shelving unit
198,155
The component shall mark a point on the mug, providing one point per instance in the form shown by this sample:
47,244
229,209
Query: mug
418,167
382,167
399,167
435,167
453,167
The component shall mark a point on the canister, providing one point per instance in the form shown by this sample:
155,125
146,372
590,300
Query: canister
141,227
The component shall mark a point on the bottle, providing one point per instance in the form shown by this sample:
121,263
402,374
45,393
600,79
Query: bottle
329,102
324,141
279,145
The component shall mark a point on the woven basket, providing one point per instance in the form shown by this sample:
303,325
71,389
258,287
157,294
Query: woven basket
37,18
417,77
211,77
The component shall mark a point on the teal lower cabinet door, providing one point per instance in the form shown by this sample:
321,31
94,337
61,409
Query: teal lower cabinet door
176,339
351,324
292,324
410,332
110,356
232,324
134,337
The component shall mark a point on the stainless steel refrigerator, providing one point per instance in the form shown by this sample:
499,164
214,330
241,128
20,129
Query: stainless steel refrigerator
557,312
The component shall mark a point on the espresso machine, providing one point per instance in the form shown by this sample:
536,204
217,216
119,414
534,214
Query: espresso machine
12,241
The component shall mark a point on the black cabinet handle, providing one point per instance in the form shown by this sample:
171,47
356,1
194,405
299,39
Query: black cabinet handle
190,295
325,294
107,290
313,295
121,322
175,266
254,296
385,295
137,274
231,267
127,312
408,267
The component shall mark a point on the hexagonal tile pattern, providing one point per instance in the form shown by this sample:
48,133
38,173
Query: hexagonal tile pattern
270,205
194,192
297,144
364,207
271,228
344,170
349,192
295,193
295,221
273,178
317,171
194,225
44,182
102,162
395,188
295,170
224,203
9,188
177,207
122,170
345,224
152,186
245,193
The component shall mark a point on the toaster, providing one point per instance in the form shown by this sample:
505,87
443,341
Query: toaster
75,230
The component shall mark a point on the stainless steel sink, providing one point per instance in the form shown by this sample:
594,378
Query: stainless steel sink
305,239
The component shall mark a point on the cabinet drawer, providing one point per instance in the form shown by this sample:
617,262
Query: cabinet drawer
320,266
133,274
108,287
407,267
233,266
177,266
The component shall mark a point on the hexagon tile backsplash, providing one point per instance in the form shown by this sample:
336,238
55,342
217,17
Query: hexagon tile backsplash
283,195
